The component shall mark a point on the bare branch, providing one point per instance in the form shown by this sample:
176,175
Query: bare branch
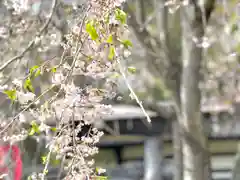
209,6
148,123
31,44
141,32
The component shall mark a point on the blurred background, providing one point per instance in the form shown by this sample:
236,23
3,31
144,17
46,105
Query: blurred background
130,150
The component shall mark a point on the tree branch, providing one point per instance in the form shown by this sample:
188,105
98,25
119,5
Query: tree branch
141,33
209,6
32,43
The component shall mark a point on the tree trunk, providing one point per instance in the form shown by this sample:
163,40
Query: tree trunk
164,62
194,142
236,168
177,151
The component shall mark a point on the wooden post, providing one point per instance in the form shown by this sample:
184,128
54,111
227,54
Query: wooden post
153,158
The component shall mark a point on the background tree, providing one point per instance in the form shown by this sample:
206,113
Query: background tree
159,27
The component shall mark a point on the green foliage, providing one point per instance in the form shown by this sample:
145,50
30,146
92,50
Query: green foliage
121,16
110,39
54,69
28,85
35,71
45,172
34,129
115,75
91,30
131,69
44,159
53,129
12,94
101,177
53,160
111,53
126,43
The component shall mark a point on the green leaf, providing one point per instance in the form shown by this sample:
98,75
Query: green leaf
115,75
45,172
44,159
92,31
12,94
35,70
31,132
89,58
54,69
126,43
110,39
37,73
121,16
34,129
101,177
132,70
28,85
111,53
53,129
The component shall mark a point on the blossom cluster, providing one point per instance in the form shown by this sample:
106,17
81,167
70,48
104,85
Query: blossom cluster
72,92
